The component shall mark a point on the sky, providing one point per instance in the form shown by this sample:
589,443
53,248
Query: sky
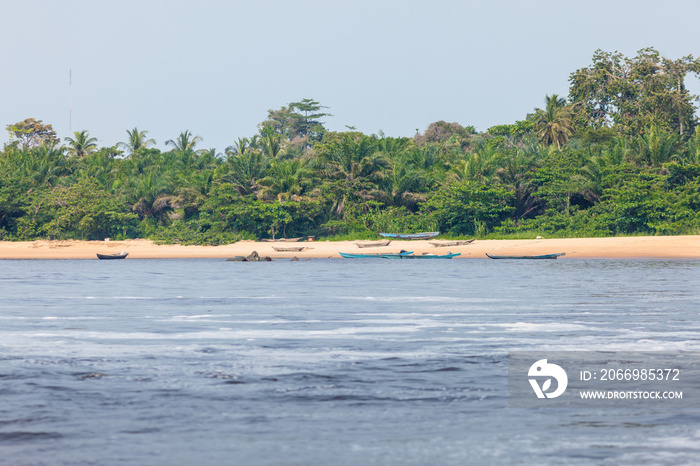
215,67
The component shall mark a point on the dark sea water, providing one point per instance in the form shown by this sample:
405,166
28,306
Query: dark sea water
207,362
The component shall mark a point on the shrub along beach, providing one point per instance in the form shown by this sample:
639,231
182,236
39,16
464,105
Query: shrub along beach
600,163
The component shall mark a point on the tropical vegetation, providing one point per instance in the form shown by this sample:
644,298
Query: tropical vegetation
620,155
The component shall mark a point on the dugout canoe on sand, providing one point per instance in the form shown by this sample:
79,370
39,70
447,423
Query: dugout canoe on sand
281,240
442,244
620,247
373,244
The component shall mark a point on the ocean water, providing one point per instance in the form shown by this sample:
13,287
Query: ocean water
322,362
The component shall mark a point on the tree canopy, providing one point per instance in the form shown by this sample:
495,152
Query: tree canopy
31,133
635,93
620,155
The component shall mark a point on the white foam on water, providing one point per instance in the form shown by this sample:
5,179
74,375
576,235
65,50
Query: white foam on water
261,298
408,299
533,327
614,342
72,318
274,334
195,317
143,298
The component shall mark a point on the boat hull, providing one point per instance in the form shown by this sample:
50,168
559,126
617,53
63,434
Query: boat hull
373,244
444,244
347,255
421,256
540,256
281,240
424,235
109,257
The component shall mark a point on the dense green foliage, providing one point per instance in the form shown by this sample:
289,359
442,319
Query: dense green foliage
621,156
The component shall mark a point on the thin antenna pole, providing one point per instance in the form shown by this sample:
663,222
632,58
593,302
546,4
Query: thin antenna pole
70,102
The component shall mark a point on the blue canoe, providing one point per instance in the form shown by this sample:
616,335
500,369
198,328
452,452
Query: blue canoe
421,256
541,256
424,235
348,255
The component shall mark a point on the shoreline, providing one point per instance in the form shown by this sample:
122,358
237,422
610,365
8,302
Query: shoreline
621,247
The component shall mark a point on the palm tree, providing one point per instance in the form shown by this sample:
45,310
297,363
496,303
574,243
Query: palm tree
554,123
355,163
82,145
245,166
595,169
184,147
404,184
137,140
656,146
619,150
45,164
515,172
99,167
478,165
288,180
693,148
239,147
353,158
271,145
185,142
151,196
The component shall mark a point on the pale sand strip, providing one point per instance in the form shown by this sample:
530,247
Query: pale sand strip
658,247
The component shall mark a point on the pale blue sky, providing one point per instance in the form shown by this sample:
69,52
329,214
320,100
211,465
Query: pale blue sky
215,67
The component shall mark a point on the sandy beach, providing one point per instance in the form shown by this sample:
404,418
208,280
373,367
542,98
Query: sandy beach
649,247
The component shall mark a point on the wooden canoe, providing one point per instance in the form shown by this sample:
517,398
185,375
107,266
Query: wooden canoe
373,244
107,257
292,249
290,240
350,255
423,235
540,256
421,256
443,244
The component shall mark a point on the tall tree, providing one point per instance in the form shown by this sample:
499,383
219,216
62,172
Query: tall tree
297,120
184,148
137,140
278,121
656,146
554,122
287,179
306,115
31,133
634,94
245,167
185,142
352,157
676,71
82,144
271,145
441,131
692,154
